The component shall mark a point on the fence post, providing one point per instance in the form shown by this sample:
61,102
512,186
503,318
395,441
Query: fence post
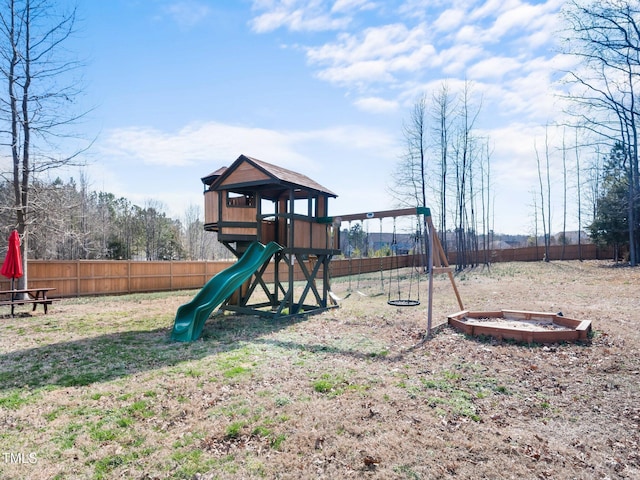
78,277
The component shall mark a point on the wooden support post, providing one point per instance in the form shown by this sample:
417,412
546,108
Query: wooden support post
430,232
438,263
441,262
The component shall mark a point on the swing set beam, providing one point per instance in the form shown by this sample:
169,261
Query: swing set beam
402,212
437,260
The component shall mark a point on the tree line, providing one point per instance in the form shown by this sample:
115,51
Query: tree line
447,165
593,143
69,221
605,37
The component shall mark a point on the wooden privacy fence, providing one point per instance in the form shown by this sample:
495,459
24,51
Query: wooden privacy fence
75,278
106,277
587,251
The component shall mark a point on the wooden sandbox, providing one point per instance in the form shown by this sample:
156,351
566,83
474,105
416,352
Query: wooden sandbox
521,326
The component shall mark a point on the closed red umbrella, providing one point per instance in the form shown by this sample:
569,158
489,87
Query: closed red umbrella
12,266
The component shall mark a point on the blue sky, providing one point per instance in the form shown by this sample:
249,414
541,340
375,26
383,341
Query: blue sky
181,87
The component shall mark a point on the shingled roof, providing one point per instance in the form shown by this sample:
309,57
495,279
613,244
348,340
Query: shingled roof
279,178
209,179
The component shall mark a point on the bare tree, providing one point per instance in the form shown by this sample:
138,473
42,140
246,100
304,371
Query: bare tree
410,177
466,150
199,244
533,242
193,232
485,191
579,196
459,154
545,226
409,180
442,105
594,182
37,103
564,194
605,35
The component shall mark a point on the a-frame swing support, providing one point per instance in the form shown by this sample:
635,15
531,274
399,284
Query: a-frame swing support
436,258
437,263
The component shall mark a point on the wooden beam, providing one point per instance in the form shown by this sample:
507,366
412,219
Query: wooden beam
380,214
439,270
440,260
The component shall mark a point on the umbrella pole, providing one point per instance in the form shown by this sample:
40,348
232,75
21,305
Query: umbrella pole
13,294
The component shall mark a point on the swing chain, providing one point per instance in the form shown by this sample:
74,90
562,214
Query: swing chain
403,302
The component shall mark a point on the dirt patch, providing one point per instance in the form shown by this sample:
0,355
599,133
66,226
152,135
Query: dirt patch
95,389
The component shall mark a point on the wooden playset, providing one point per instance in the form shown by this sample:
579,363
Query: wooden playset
253,203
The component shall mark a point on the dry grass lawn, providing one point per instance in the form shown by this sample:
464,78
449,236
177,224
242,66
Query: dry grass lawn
95,389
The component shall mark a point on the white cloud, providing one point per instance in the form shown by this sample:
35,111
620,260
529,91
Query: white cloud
492,21
494,68
352,5
454,60
376,105
450,19
491,8
305,15
352,137
375,55
187,13
364,72
197,143
491,41
516,17
535,91
300,16
536,39
469,34
385,42
216,142
520,17
512,143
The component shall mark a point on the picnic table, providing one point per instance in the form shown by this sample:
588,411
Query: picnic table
25,296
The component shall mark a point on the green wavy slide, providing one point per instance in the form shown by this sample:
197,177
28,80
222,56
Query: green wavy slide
191,317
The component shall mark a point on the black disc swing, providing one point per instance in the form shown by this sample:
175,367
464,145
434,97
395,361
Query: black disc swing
399,300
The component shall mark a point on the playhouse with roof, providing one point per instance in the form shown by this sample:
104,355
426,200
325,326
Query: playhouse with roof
255,201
